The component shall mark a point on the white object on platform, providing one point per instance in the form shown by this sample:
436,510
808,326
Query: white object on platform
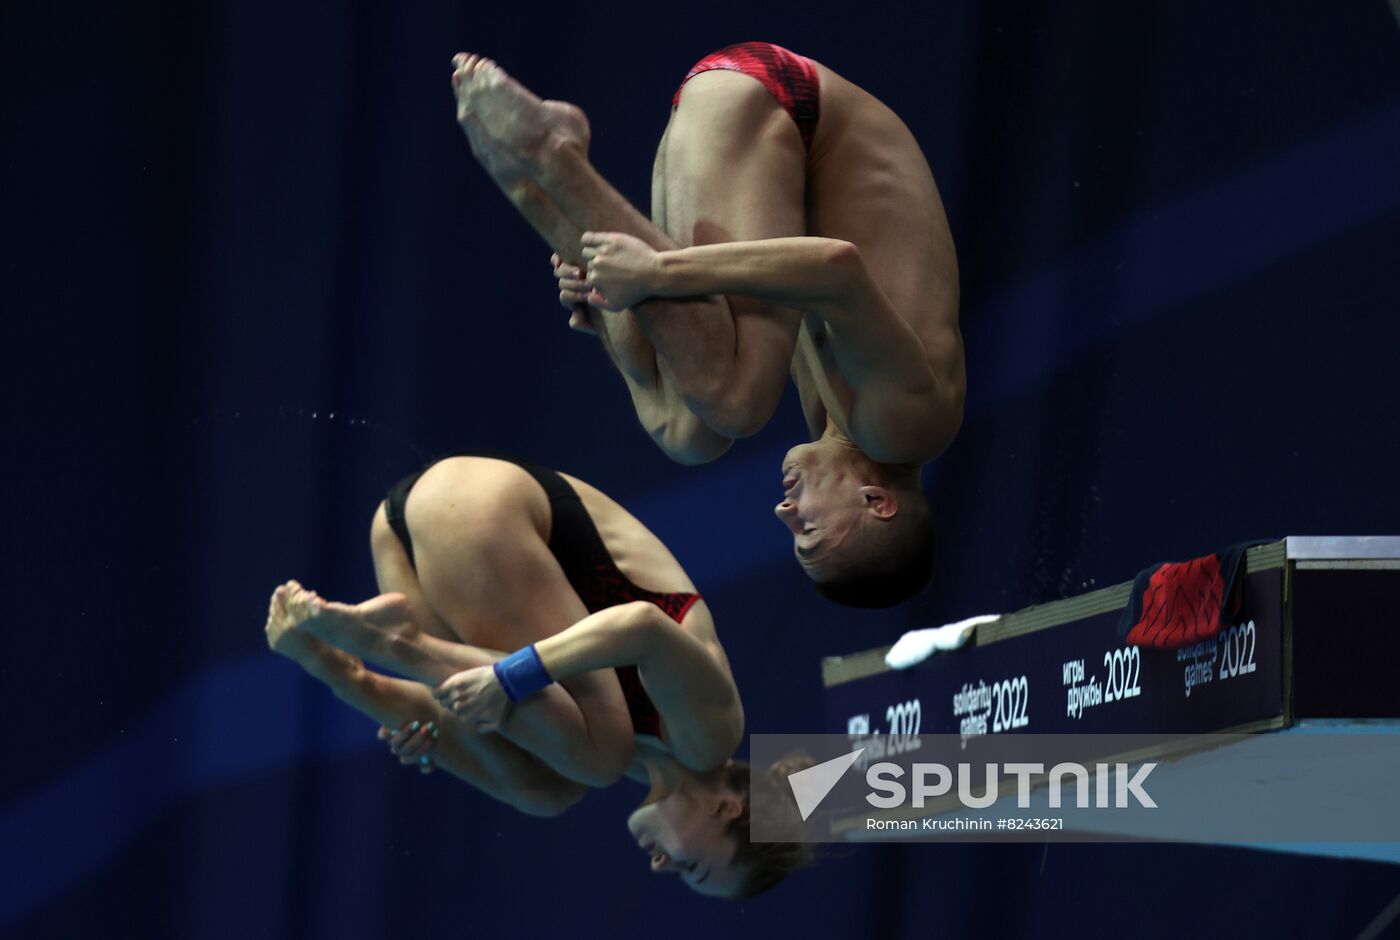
918,645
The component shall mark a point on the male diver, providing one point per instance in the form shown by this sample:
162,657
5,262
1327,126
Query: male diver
796,229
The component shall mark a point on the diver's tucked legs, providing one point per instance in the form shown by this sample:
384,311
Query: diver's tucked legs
487,584
731,364
626,345
383,630
489,763
733,168
514,133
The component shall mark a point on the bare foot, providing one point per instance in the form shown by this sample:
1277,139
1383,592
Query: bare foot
367,630
285,619
505,122
494,156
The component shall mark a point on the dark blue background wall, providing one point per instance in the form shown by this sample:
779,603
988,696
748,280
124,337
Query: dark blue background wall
250,275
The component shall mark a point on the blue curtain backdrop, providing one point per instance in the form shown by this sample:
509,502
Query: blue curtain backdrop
251,275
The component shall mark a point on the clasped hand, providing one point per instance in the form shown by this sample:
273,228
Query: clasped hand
476,697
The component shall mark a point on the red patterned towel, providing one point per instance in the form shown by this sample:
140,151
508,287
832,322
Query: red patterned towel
1179,603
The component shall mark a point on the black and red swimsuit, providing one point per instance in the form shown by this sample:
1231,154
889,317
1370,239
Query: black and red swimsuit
576,545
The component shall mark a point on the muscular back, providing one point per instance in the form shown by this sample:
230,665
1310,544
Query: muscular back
868,183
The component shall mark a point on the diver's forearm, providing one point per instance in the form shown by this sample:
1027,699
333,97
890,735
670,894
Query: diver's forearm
614,636
791,272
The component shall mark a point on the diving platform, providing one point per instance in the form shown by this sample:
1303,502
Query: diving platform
1311,651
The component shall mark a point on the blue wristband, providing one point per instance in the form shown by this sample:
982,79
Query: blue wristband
521,673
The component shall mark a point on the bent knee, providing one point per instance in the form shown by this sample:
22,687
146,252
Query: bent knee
600,760
601,771
546,801
735,421
688,439
732,413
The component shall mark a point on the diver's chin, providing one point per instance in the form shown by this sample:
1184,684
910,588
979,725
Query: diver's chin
814,571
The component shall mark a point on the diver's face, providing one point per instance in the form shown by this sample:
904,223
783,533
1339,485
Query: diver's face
684,838
819,508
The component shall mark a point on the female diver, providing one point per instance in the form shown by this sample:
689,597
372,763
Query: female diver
618,668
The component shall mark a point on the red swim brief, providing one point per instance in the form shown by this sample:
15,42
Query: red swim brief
790,78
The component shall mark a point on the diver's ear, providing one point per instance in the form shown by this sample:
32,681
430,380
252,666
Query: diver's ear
880,500
726,806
